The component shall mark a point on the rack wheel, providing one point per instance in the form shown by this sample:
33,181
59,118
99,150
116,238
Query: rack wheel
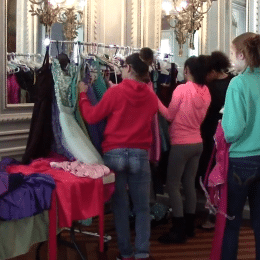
102,256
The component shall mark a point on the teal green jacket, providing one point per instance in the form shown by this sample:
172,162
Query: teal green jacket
241,118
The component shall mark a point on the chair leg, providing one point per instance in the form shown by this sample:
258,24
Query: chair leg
72,245
37,257
72,235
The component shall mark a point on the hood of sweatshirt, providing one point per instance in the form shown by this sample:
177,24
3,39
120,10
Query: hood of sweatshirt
135,92
201,95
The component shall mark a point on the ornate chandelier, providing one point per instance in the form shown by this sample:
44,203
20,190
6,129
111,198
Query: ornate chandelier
188,16
67,12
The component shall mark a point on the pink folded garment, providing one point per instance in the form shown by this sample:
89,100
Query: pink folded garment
80,169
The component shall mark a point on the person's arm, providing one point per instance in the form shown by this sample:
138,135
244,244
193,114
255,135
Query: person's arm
170,112
94,114
233,121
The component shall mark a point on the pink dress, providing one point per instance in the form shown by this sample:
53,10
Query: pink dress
216,185
13,90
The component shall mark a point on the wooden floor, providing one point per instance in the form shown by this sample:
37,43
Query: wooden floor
197,248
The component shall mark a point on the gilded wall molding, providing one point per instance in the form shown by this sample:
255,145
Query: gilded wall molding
257,16
142,19
150,23
205,25
123,23
91,21
5,118
158,20
95,21
134,23
14,152
8,135
147,7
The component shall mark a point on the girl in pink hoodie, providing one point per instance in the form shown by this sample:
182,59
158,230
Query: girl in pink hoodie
185,113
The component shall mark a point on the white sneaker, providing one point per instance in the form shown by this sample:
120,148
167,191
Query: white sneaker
208,225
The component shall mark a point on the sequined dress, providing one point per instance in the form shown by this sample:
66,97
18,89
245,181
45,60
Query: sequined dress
73,137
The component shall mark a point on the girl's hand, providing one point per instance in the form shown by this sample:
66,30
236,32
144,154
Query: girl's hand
82,87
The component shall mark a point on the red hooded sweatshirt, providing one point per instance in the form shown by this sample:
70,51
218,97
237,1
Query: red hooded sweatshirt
129,108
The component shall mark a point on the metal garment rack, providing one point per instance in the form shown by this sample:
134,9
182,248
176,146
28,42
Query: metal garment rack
97,45
94,46
24,54
111,46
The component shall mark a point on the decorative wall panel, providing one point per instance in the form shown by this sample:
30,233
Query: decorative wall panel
133,23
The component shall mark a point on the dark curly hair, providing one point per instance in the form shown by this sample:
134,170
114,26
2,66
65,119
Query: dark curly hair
219,61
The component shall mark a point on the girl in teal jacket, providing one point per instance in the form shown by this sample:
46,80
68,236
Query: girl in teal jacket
241,125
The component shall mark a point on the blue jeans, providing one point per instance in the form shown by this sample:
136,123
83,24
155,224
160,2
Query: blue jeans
132,170
243,182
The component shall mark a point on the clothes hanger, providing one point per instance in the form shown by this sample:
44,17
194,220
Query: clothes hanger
19,63
62,58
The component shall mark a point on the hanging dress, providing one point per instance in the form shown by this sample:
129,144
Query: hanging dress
57,145
13,90
41,135
76,141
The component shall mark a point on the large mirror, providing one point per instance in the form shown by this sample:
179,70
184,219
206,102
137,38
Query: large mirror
113,22
25,51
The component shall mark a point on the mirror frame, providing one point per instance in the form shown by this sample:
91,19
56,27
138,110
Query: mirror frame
8,112
130,35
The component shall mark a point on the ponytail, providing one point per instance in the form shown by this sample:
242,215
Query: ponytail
199,68
140,63
252,52
249,45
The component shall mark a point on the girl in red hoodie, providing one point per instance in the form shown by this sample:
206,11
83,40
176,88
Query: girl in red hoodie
129,108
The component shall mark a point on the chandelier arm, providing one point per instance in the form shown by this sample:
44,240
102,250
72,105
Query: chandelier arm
80,20
61,14
63,2
210,4
167,19
37,3
174,5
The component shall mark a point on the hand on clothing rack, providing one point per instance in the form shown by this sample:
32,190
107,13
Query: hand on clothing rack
83,87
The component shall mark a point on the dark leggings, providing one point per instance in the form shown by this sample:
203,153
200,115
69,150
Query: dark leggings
182,169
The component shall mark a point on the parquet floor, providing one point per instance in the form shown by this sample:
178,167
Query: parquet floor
197,248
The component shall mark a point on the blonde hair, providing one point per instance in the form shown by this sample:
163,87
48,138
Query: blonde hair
249,45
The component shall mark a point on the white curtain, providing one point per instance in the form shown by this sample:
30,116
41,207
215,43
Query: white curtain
26,28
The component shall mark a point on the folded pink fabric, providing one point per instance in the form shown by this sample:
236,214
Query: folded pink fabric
80,169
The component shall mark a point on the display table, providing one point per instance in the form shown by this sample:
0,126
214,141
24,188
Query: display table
73,199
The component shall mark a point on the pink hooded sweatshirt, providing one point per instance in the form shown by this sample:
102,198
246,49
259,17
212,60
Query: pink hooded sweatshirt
186,112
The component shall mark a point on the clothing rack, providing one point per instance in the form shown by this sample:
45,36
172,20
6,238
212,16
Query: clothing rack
111,46
97,45
15,54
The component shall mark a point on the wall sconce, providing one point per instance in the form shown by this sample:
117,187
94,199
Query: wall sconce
67,12
188,16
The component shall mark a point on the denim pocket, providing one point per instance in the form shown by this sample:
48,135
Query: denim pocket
245,175
115,161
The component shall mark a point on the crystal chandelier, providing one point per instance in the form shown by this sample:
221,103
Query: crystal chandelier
67,12
187,16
